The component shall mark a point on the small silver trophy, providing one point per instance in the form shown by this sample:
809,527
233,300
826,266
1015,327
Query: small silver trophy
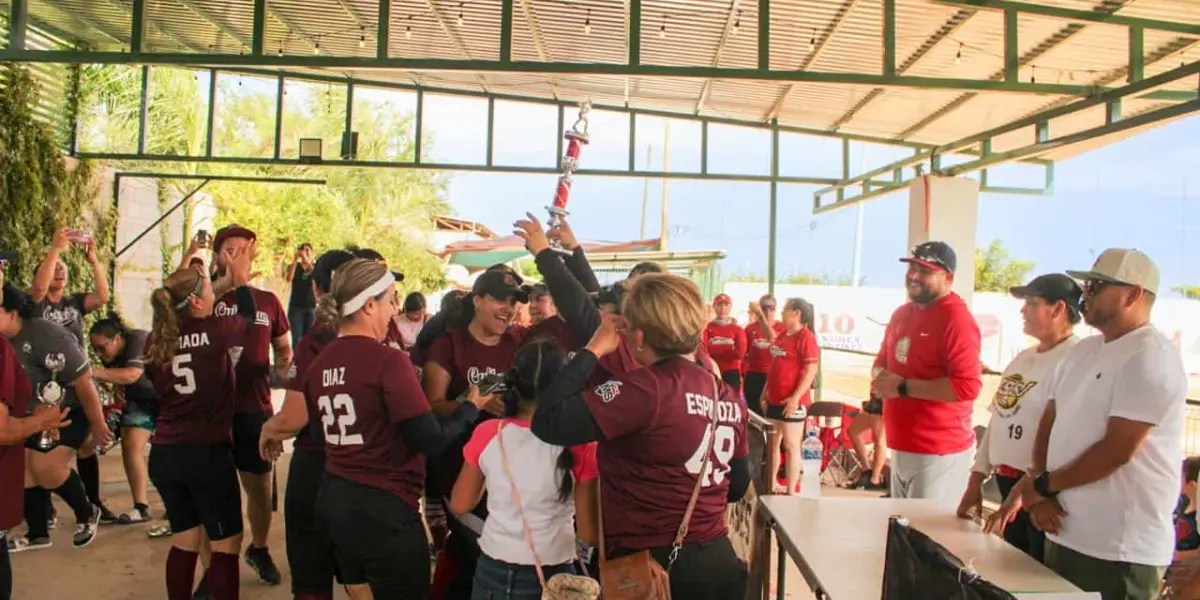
51,392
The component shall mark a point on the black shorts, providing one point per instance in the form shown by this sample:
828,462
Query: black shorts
198,484
309,550
874,406
246,430
377,538
734,378
72,436
753,387
775,413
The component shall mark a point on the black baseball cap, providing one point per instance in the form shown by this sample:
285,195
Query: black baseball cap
504,268
935,255
370,254
500,285
326,264
1051,287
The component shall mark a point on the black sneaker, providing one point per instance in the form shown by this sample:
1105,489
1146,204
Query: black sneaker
23,543
107,517
201,592
260,560
86,532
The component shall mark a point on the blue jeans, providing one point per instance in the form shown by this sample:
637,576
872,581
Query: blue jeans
301,320
497,580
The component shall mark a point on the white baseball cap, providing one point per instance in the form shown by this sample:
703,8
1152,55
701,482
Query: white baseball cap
1124,266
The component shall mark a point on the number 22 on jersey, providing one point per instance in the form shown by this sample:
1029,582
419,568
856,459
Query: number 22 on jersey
337,417
722,448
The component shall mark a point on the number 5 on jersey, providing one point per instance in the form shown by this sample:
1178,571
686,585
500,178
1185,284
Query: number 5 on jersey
722,453
339,411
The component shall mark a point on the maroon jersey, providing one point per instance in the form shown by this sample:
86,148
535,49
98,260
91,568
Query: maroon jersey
14,394
306,351
656,428
361,391
254,366
197,389
468,361
726,343
394,339
556,329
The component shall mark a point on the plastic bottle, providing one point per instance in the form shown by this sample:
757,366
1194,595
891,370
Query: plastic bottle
811,451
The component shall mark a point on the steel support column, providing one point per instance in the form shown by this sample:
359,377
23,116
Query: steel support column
1137,54
889,37
143,110
491,132
211,119
280,91
635,33
137,33
506,22
384,33
258,38
18,22
418,127
1012,50
764,35
772,237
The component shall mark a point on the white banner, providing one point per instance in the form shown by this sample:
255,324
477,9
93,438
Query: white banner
853,318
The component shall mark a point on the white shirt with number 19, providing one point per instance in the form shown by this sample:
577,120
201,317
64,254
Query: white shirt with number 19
1017,407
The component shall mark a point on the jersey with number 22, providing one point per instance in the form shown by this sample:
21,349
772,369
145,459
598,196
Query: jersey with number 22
656,430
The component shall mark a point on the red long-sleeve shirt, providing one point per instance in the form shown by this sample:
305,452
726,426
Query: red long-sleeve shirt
927,343
726,343
758,351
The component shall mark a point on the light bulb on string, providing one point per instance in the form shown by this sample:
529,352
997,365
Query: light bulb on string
460,14
812,42
408,32
280,49
958,56
662,29
362,39
587,23
737,24
1032,74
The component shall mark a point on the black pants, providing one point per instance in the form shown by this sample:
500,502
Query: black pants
376,536
5,570
1021,532
309,551
734,378
301,320
753,387
705,571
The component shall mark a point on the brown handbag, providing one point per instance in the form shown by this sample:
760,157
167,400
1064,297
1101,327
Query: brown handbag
638,576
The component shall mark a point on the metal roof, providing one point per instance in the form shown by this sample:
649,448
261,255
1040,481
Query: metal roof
933,39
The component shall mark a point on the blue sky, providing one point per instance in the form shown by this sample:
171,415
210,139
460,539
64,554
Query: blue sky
1135,193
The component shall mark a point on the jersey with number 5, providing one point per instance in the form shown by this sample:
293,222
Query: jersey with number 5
361,391
197,389
656,430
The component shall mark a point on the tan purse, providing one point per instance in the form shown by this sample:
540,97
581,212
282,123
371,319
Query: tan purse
563,586
638,576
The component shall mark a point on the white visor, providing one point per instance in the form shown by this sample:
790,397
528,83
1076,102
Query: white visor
385,283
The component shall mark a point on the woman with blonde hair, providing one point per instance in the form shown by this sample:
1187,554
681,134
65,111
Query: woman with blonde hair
190,359
672,445
378,431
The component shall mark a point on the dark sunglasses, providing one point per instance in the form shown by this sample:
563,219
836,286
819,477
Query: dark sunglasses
1095,286
768,307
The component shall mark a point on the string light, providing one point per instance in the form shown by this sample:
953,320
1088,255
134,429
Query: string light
1032,73
587,23
812,42
662,29
362,40
280,49
460,14
958,57
738,23
317,47
408,32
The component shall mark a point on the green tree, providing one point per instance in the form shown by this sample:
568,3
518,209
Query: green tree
1191,292
390,210
996,270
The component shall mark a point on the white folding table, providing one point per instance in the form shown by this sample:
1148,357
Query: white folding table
839,545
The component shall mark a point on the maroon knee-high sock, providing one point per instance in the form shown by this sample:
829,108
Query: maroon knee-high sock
181,573
223,576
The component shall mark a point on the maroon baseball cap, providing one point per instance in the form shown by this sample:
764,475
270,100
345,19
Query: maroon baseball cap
232,231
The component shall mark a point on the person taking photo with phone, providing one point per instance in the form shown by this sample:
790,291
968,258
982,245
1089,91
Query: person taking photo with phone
302,304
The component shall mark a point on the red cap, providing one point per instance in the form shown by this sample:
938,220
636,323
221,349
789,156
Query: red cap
722,299
231,231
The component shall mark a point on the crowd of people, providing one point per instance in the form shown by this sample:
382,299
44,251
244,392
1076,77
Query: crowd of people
563,435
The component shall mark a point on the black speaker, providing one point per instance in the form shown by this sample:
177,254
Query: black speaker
349,145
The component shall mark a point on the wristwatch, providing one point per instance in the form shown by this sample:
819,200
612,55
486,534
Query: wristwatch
1041,485
903,388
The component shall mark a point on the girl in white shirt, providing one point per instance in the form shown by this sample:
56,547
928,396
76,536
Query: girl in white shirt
556,488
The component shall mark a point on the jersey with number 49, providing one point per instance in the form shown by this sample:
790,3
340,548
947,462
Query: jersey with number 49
361,390
197,389
656,428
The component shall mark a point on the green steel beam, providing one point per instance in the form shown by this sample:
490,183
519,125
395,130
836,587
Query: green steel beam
1137,54
773,225
558,152
436,166
280,92
764,35
419,126
1041,131
383,34
889,38
1076,15
211,120
1012,48
506,23
1112,112
491,132
243,178
1170,96
704,147
137,34
258,40
634,43
144,110
18,21
538,67
348,131
632,140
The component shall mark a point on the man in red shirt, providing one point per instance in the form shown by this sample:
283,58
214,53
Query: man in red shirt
726,342
928,375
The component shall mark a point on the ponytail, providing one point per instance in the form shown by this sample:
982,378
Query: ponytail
462,312
165,328
535,366
329,314
566,483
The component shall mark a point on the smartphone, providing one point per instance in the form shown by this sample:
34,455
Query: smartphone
492,384
203,238
79,236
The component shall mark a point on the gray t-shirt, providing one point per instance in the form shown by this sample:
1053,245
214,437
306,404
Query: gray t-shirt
49,352
67,312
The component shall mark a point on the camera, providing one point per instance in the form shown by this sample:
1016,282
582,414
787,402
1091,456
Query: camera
611,294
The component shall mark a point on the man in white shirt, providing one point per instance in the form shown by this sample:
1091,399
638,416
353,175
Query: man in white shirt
1051,311
1106,456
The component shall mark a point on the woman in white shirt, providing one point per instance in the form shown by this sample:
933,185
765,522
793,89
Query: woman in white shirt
1051,311
411,319
556,488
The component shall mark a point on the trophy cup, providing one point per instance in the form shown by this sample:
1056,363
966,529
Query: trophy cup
577,137
51,393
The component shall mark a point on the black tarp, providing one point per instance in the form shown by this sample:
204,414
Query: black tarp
916,567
